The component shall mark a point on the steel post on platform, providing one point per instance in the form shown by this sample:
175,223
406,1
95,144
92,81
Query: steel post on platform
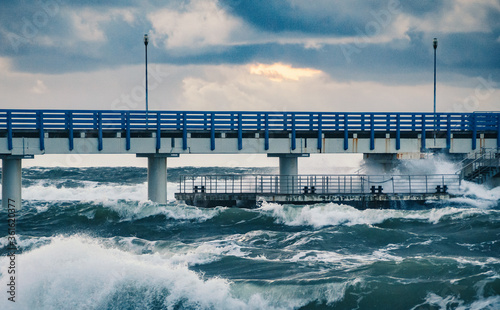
289,171
157,176
11,181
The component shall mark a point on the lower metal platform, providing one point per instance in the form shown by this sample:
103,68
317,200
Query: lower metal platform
360,191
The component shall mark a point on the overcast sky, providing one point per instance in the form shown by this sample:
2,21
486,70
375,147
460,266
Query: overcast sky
319,55
280,55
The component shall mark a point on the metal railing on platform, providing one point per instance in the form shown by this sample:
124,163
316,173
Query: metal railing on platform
320,184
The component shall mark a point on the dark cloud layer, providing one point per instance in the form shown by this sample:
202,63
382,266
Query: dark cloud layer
39,36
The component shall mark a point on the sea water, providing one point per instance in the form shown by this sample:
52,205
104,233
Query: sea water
87,239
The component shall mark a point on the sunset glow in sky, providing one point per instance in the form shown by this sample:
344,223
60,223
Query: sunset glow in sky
280,55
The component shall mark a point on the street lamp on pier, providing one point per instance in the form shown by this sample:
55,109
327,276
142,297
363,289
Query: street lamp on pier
435,45
146,41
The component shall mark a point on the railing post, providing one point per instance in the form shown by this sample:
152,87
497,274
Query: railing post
346,132
127,131
474,130
184,132
158,131
212,131
423,146
9,130
40,130
240,132
99,131
398,131
294,142
266,132
69,125
372,131
448,131
320,131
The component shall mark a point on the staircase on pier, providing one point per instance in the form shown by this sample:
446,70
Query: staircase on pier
482,166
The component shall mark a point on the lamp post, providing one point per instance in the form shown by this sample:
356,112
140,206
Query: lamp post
435,45
146,41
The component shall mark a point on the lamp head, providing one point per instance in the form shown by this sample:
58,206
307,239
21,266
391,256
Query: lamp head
146,39
435,43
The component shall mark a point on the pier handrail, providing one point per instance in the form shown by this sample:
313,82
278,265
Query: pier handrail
265,123
246,120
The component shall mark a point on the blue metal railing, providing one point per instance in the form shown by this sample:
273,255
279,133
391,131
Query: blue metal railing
443,124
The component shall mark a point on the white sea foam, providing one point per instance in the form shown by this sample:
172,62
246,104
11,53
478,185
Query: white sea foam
469,193
133,211
437,164
206,252
454,302
477,195
23,242
80,273
343,262
332,214
90,191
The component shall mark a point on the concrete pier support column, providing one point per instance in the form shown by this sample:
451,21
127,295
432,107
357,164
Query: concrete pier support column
380,163
11,183
289,171
157,176
157,179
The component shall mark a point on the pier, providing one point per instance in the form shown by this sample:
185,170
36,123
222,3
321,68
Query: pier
382,138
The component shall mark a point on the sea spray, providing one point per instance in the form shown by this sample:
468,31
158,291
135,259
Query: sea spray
77,272
331,214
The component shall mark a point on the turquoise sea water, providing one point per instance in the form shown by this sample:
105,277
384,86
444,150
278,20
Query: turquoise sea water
88,240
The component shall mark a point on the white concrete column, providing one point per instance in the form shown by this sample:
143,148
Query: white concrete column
11,183
289,171
157,179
